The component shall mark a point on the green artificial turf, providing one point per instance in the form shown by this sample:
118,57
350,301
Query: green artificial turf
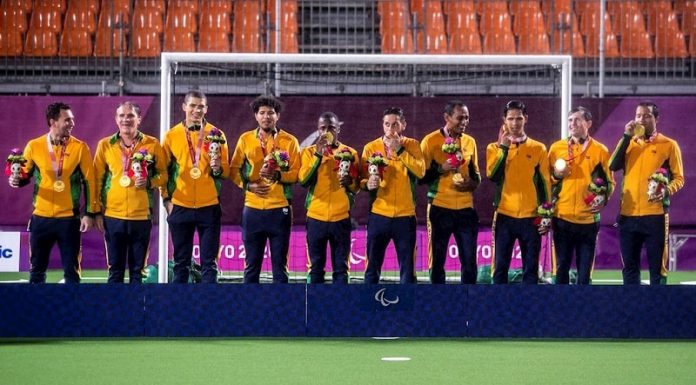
346,361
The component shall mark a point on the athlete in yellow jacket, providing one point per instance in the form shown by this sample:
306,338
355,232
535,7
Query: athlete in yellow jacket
452,177
519,167
265,164
329,171
392,211
644,218
128,165
192,193
61,166
582,185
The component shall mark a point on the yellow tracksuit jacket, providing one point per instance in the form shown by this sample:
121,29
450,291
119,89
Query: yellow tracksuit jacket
571,191
127,202
247,160
639,160
400,176
181,188
77,174
326,200
521,174
441,191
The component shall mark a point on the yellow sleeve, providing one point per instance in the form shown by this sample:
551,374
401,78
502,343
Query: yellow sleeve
290,176
91,195
412,157
100,168
159,180
236,163
676,168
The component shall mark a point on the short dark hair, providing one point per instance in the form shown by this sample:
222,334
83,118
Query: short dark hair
652,106
266,101
514,105
586,114
195,94
53,111
132,105
328,115
452,104
394,111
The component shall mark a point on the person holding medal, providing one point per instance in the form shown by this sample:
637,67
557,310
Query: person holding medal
581,186
452,176
265,164
644,218
191,196
329,200
392,211
519,167
62,169
128,165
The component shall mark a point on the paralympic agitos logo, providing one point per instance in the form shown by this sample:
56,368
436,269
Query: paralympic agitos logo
380,297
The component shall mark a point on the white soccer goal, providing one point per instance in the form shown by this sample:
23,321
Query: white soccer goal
409,67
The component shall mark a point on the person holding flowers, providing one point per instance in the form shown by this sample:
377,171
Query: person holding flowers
265,164
61,166
642,152
391,167
128,166
519,167
452,175
329,171
581,185
191,196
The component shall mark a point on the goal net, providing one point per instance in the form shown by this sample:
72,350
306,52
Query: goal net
358,88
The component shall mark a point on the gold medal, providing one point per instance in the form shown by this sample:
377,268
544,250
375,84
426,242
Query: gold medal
125,181
638,130
195,173
58,186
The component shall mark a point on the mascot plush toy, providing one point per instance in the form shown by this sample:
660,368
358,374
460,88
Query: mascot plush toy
15,161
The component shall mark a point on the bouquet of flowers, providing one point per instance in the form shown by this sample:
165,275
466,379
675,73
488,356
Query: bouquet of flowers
14,163
376,165
598,193
544,212
453,150
657,183
277,160
213,143
345,162
140,161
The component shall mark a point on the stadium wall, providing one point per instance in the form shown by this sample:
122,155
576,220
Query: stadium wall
486,311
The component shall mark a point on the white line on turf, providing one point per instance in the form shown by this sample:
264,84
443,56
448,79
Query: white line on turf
396,359
385,338
688,282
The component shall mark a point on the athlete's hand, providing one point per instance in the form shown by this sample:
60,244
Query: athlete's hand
259,188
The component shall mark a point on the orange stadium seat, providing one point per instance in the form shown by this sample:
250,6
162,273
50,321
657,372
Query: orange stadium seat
108,42
158,5
395,27
179,41
116,7
215,19
611,46
692,47
500,42
183,6
528,21
585,6
689,21
670,44
556,6
661,19
657,6
517,6
92,5
568,39
493,21
145,43
432,39
682,5
217,5
636,45
288,26
465,41
111,18
590,21
25,5
13,19
148,19
75,43
462,21
46,19
41,42
458,7
181,19
630,23
491,6
10,42
80,19
214,41
55,5
246,31
534,43
617,8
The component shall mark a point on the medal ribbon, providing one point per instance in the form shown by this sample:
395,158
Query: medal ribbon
57,168
126,153
195,153
572,157
262,141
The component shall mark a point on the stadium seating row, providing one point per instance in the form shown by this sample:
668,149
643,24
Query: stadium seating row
81,28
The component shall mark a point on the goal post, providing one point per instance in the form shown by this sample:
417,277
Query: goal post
276,62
